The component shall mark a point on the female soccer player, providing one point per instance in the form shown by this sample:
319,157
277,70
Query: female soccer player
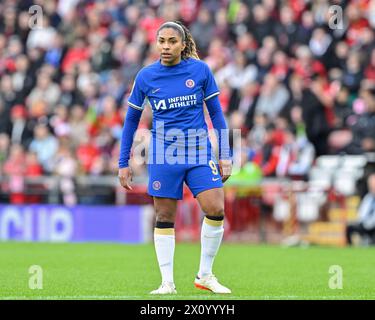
176,86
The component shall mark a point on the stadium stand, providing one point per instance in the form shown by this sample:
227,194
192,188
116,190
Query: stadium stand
301,90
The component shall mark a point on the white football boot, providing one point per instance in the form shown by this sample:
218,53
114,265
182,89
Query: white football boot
210,283
165,288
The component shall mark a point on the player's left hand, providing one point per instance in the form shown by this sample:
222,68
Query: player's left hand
125,175
225,167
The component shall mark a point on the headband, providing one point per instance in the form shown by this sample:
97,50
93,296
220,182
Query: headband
174,24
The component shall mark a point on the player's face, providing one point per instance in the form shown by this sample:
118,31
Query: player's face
170,46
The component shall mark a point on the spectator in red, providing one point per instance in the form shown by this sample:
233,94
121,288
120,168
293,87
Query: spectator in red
325,91
14,49
78,53
33,169
305,65
150,23
268,156
298,6
14,169
189,10
87,151
370,69
110,117
357,23
280,66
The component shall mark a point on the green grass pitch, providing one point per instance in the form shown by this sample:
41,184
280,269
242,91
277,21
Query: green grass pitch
115,271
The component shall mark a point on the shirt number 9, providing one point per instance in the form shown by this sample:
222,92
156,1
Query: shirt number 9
213,167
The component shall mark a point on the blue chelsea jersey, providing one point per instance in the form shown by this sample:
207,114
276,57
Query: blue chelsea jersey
176,94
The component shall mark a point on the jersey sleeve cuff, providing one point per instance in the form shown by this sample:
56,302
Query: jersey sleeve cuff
211,95
134,106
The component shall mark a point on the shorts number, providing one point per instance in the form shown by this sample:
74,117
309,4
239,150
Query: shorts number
213,167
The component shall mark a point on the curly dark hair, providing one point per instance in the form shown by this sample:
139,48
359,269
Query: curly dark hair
190,50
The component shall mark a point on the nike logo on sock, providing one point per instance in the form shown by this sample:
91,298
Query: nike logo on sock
215,179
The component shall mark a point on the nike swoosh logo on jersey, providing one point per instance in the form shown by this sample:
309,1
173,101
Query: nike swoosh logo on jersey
215,179
155,90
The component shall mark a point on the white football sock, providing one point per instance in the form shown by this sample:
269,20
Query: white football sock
211,236
164,240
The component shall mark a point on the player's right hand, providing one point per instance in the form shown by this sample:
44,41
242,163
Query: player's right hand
225,167
126,176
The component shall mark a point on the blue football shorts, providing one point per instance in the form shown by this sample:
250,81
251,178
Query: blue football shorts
167,180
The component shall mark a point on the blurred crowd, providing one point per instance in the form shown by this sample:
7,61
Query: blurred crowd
296,76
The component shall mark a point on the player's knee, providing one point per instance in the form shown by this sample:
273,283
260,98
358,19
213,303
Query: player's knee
163,215
214,209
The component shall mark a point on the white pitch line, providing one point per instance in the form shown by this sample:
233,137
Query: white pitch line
178,297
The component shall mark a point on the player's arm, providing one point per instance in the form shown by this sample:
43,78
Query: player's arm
219,124
132,119
211,92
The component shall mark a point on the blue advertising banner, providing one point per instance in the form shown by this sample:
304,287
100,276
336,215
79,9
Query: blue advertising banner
56,223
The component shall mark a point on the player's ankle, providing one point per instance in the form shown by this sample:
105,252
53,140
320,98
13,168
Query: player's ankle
201,275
